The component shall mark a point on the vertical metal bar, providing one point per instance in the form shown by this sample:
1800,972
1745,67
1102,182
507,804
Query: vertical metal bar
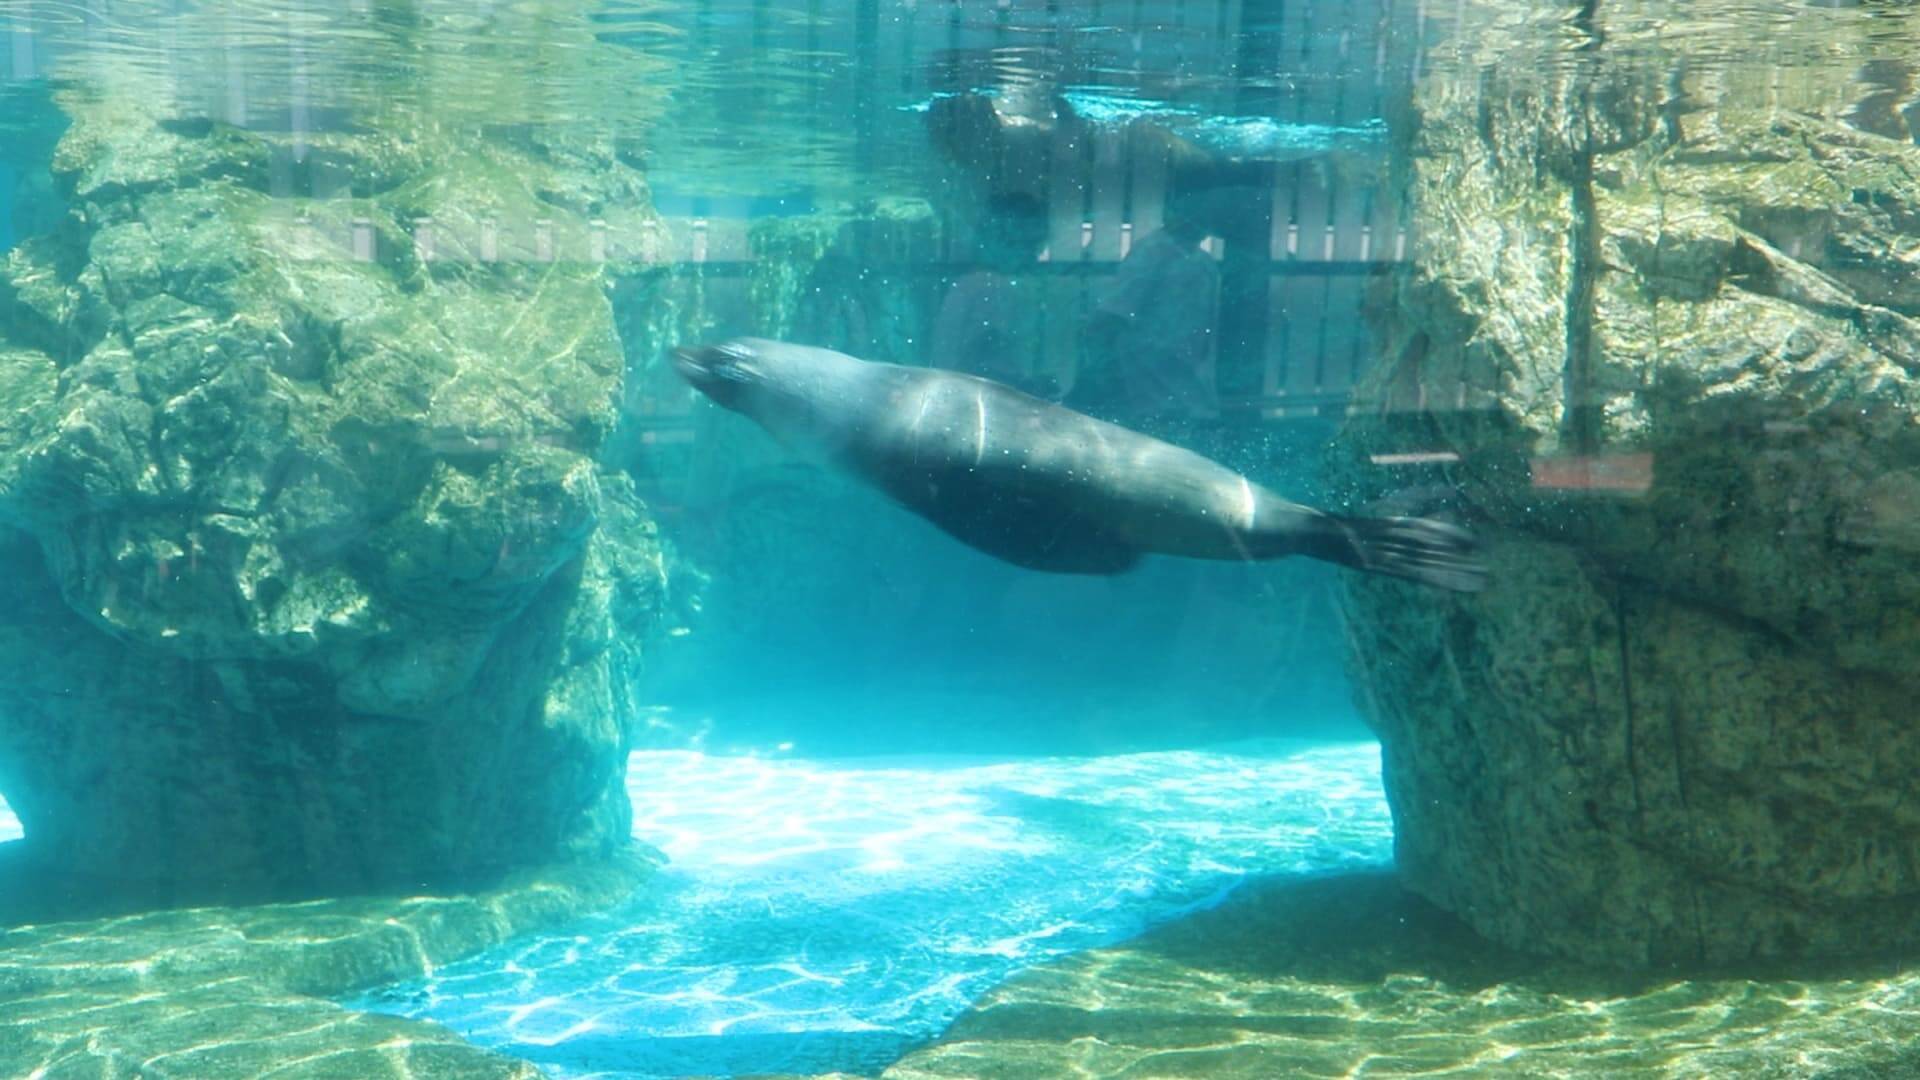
1419,39
1226,30
1109,184
423,239
283,166
90,29
1147,194
1345,223
698,249
1296,313
1245,271
1340,336
866,37
1066,213
1273,371
20,41
1311,213
1066,197
235,109
170,50
1281,242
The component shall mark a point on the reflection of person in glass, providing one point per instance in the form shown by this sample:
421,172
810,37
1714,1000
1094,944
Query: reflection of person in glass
989,324
1149,342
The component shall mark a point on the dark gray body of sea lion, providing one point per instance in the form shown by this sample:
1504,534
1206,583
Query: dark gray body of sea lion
1040,485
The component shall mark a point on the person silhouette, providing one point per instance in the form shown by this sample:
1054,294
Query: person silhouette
989,323
1148,344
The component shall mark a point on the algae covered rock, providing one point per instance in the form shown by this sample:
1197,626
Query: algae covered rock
1667,323
243,992
314,583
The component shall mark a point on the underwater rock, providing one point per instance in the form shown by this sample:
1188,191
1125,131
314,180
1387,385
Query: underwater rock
243,992
1668,323
313,582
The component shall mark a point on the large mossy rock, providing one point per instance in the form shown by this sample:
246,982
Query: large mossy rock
1664,307
313,582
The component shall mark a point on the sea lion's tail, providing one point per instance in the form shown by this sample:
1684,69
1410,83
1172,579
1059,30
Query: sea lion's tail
1418,549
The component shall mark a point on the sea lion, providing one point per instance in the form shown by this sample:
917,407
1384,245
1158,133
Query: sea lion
1040,485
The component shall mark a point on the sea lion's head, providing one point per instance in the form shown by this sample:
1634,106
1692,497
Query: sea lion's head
807,398
757,376
725,372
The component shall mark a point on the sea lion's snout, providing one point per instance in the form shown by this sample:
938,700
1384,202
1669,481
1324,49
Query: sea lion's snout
691,363
718,371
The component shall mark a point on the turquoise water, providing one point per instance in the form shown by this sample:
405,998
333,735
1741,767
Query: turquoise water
360,535
828,915
938,770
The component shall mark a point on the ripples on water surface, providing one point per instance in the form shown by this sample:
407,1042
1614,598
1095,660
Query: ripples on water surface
754,98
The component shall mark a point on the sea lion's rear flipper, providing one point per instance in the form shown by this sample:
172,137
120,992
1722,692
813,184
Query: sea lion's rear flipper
1418,549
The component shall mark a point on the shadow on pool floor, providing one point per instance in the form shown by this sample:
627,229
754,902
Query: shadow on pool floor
1351,975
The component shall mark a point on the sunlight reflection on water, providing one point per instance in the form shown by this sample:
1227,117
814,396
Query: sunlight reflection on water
828,915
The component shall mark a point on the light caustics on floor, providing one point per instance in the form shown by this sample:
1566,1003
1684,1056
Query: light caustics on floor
818,916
